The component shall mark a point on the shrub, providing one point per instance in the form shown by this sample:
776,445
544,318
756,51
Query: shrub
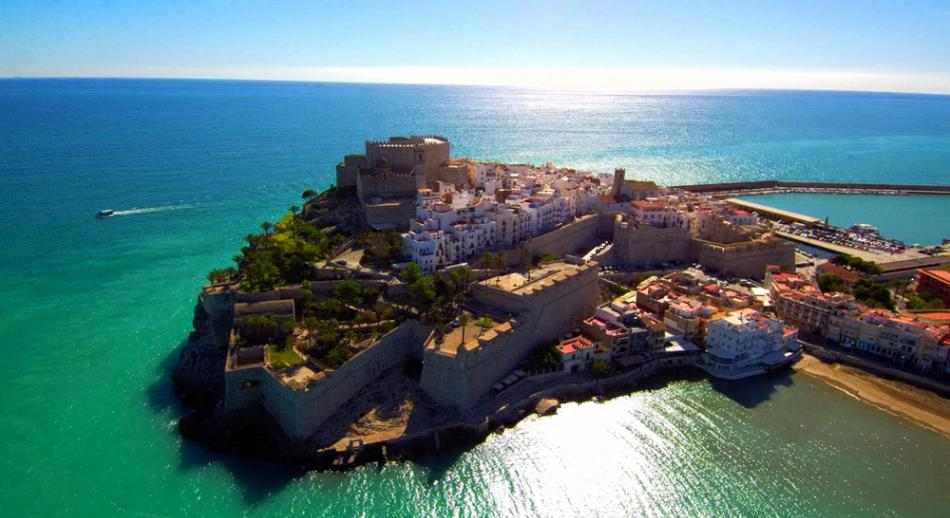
349,292
857,263
262,329
832,283
873,295
222,275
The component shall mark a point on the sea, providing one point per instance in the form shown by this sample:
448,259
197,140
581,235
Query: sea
92,312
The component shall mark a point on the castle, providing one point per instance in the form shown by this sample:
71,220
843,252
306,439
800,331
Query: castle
389,175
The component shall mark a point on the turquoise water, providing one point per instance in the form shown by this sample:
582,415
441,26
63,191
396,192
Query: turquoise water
912,219
92,311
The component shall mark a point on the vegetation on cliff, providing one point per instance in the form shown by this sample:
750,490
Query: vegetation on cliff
283,253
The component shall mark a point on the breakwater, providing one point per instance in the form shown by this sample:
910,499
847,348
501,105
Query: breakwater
782,186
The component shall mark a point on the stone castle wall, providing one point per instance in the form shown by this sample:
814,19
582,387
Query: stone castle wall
301,412
460,381
348,170
748,259
645,246
387,184
393,214
579,234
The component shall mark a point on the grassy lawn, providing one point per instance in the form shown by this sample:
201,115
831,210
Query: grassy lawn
282,359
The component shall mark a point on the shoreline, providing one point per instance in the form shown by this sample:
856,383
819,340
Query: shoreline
922,407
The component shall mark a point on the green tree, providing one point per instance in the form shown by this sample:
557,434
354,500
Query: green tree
873,295
832,283
411,273
422,292
309,193
350,292
923,301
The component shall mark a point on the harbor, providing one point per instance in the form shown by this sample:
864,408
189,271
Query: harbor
895,258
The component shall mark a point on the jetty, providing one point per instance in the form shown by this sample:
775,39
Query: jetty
773,212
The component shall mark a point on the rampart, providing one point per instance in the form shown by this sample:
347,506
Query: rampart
744,259
580,234
301,411
643,246
543,310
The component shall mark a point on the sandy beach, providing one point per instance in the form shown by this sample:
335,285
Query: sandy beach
920,406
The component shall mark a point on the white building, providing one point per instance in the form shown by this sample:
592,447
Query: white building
746,343
576,353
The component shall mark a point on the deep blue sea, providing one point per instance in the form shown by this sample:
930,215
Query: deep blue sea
91,311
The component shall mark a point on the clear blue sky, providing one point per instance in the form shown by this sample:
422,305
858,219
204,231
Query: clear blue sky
906,42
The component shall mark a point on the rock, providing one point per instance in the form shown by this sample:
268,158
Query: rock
547,406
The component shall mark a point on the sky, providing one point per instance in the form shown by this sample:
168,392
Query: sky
599,45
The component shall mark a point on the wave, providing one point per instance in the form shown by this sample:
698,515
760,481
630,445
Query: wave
150,210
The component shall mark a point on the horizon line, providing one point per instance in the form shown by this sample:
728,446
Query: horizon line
680,91
606,81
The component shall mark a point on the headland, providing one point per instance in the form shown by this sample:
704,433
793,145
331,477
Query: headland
424,301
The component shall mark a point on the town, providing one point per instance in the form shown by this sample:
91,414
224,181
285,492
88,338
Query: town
425,293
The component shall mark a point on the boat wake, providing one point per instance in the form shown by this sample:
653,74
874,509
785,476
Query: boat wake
150,210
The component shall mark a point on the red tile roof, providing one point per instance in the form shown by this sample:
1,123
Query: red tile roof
942,276
575,343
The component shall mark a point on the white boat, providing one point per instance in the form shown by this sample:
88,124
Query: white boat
105,213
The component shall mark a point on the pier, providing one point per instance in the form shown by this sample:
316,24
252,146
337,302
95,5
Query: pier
772,212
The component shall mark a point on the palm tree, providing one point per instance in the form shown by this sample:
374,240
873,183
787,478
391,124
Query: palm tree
266,227
309,193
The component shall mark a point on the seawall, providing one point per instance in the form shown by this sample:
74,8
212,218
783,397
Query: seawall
779,186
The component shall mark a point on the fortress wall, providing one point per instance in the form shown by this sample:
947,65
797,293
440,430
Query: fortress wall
348,170
287,292
643,246
395,214
462,380
443,379
746,260
237,396
579,234
217,305
499,299
399,156
301,412
387,184
329,287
